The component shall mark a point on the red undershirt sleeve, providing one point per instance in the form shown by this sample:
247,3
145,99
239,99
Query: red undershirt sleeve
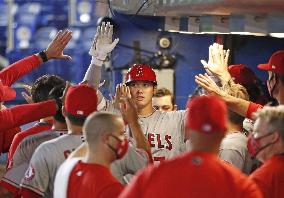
253,107
26,113
18,69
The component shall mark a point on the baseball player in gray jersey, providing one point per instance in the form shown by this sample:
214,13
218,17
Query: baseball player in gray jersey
50,155
164,130
22,157
47,158
233,149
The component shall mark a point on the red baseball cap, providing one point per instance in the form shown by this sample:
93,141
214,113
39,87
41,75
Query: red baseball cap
206,114
241,74
275,64
140,72
81,100
6,93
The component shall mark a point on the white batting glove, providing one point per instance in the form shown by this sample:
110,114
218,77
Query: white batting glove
102,44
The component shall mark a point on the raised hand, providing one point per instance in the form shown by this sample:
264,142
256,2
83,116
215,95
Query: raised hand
209,85
128,110
27,95
102,44
122,91
217,62
57,45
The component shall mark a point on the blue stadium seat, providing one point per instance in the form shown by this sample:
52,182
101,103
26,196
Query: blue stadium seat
43,36
87,38
30,8
3,27
75,41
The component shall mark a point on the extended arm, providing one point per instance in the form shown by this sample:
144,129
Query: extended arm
54,51
101,47
238,105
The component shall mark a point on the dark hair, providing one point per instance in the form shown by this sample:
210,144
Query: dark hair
164,92
43,85
281,78
235,118
56,93
76,120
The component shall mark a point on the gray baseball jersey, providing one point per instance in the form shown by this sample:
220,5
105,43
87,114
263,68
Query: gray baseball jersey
23,154
46,160
133,161
164,131
234,150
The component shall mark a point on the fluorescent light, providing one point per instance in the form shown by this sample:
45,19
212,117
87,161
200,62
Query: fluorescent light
249,33
215,32
277,35
173,31
185,32
85,18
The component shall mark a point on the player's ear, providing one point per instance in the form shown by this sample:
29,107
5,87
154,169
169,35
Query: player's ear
63,111
175,107
105,138
155,89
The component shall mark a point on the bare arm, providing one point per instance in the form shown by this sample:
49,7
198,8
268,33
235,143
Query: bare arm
237,105
53,51
129,113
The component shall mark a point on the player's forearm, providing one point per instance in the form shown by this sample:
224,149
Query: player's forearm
225,78
140,139
237,105
23,114
18,69
93,75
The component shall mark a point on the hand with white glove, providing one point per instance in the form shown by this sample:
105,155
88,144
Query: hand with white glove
218,62
102,44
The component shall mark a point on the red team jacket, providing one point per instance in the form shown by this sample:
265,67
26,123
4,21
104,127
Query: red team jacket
270,177
21,114
194,174
103,184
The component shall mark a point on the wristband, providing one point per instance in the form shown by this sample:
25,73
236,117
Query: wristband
43,56
97,62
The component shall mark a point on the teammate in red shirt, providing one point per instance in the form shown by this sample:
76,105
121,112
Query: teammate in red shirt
22,114
219,67
198,173
19,160
91,177
267,144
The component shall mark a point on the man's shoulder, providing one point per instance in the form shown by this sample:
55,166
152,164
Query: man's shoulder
234,141
49,141
166,116
273,166
37,139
